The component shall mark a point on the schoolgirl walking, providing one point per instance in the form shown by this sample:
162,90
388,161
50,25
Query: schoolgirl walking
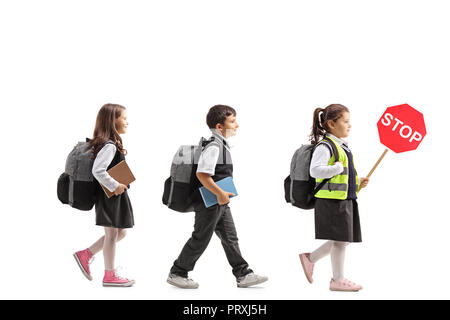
114,214
336,213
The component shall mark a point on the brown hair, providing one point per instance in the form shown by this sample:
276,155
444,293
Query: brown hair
105,128
320,120
218,114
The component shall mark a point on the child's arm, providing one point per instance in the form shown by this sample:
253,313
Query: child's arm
206,169
101,163
319,164
206,180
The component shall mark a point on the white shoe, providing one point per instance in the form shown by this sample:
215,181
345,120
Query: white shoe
251,279
180,282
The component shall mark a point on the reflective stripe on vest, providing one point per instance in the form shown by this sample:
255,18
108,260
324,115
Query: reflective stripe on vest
333,186
337,186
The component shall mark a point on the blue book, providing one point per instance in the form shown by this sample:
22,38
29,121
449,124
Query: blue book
210,198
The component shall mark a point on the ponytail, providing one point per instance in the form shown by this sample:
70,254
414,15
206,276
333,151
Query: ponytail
318,130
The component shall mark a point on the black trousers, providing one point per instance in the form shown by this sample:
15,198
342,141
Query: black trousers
216,219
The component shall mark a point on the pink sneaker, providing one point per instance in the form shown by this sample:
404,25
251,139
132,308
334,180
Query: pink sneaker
84,258
344,285
308,266
112,279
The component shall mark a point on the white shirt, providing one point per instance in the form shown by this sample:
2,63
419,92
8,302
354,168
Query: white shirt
319,167
209,157
104,158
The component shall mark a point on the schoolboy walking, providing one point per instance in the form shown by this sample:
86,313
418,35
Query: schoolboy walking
214,164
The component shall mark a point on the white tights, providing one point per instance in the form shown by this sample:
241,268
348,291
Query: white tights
336,249
107,243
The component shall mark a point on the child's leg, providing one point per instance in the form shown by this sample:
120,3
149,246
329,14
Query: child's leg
205,224
337,259
321,252
109,247
98,245
226,232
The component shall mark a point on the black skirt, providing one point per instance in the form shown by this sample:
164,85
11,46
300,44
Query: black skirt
337,220
115,212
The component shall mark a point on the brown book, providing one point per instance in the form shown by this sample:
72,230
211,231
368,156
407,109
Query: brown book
122,174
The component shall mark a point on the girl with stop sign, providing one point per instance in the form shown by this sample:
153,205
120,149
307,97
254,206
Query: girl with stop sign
336,210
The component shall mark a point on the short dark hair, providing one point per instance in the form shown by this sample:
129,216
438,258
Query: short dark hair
218,114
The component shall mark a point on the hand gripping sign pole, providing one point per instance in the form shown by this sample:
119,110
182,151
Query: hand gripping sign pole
401,129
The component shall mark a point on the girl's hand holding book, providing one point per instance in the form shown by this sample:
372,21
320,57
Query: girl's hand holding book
120,189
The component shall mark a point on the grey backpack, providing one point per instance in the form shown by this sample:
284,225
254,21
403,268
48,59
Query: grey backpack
179,188
299,187
77,186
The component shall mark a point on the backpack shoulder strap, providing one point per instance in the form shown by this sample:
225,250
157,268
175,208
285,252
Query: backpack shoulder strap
117,155
109,142
331,146
214,141
205,142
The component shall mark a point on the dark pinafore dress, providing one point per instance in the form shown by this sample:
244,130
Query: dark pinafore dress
338,220
115,212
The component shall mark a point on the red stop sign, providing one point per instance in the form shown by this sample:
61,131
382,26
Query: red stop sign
401,128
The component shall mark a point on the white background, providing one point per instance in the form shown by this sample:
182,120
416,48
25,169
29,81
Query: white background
274,61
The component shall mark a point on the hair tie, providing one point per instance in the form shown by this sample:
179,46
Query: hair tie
321,120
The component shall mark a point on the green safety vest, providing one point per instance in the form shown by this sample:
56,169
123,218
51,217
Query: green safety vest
337,186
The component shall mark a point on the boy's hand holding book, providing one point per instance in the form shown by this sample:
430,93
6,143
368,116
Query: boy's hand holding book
224,197
215,192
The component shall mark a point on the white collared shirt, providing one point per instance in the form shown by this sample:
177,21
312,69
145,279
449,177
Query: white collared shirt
319,167
104,158
209,157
